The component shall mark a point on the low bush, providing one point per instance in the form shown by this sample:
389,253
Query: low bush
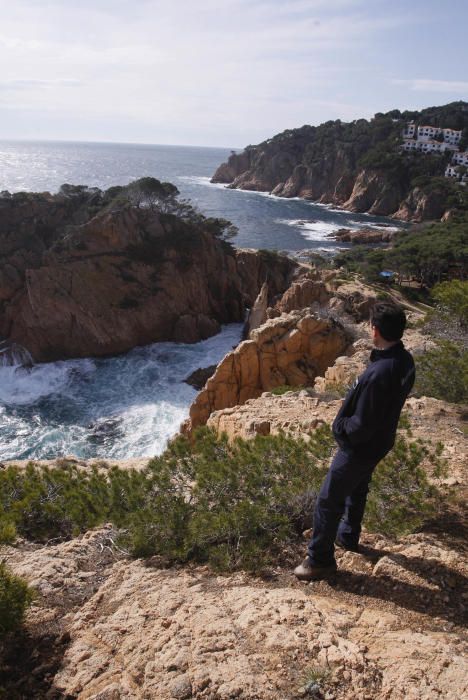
42,504
452,299
233,505
284,388
401,497
443,372
15,598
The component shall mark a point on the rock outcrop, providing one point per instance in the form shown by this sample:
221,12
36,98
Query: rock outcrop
308,290
258,312
305,292
422,206
289,350
80,278
296,413
363,236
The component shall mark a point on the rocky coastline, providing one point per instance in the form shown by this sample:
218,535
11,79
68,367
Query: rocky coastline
358,166
85,274
104,626
278,170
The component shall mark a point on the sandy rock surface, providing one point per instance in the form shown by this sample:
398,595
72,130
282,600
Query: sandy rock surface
386,628
295,412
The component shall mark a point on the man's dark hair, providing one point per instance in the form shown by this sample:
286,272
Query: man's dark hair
389,319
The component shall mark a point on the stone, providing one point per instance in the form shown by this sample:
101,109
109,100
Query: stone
181,688
200,376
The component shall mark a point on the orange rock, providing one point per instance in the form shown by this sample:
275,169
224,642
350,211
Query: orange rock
291,349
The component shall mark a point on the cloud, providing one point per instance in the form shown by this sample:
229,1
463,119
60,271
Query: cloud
429,85
27,84
211,66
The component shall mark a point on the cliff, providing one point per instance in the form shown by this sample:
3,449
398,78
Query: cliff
356,165
83,274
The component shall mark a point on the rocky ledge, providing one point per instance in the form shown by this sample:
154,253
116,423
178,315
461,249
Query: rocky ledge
105,628
363,236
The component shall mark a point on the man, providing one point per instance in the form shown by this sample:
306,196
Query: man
364,429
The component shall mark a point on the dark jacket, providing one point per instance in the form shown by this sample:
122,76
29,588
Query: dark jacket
367,422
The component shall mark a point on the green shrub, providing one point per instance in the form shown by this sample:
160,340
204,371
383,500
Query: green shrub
234,506
427,254
284,388
42,504
443,372
452,297
401,496
7,531
15,597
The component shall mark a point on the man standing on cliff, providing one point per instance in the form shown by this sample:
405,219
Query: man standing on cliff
365,430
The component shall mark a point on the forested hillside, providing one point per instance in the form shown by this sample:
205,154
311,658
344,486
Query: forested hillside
358,165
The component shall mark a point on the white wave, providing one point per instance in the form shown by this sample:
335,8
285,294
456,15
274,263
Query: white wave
22,385
373,224
312,230
201,180
328,207
125,406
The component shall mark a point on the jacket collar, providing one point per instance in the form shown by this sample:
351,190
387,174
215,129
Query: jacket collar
392,351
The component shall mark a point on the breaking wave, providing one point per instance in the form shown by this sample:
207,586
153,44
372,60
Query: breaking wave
120,407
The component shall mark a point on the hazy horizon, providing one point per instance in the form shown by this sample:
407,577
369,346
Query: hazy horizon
220,71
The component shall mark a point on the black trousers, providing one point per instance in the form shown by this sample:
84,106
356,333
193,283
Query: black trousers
340,506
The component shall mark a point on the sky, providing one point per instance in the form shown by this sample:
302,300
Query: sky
221,72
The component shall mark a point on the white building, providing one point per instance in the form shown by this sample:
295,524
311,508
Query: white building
434,146
424,146
451,171
426,133
409,130
410,145
460,158
452,136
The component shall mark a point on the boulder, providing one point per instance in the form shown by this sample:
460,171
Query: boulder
199,377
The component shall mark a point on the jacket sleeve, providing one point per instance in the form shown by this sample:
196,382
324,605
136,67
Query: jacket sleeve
368,414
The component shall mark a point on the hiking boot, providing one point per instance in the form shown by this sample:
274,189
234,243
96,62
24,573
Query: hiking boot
312,572
348,547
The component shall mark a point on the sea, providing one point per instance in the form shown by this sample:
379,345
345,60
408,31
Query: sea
131,405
